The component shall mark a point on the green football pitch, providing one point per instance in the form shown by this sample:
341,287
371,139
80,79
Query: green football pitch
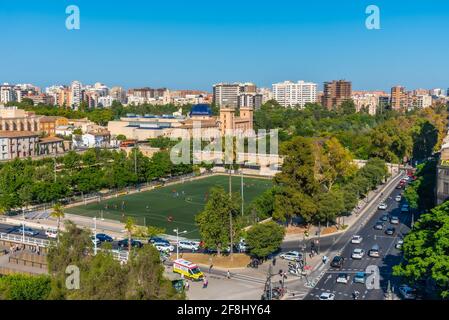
173,206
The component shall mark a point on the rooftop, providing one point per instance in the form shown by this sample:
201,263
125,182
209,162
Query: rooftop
18,134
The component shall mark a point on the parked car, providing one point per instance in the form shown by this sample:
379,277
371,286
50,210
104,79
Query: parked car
379,225
384,218
134,243
29,232
359,277
398,198
407,292
327,296
343,278
188,245
162,246
394,220
157,239
356,239
95,241
291,256
104,237
399,244
358,254
337,262
390,231
51,233
405,208
383,206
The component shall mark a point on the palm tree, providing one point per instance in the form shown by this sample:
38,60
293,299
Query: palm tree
129,227
58,213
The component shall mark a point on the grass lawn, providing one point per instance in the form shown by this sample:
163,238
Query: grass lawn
181,201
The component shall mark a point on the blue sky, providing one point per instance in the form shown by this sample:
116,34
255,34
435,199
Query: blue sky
184,44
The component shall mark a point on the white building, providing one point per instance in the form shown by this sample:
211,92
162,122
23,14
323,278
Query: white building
75,94
423,101
18,144
290,94
7,93
227,94
92,140
105,102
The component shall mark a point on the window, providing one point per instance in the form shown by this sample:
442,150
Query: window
445,188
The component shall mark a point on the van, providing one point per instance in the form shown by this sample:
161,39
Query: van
187,269
374,252
51,233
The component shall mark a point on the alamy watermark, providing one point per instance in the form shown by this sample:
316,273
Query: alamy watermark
73,21
372,22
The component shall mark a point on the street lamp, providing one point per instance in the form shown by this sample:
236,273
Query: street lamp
177,241
95,235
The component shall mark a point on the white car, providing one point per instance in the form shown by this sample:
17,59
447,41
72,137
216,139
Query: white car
327,296
51,233
383,206
162,246
291,255
95,241
343,278
399,244
358,254
407,292
398,198
394,220
188,245
356,239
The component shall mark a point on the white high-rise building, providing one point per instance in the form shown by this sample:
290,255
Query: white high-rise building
289,93
75,94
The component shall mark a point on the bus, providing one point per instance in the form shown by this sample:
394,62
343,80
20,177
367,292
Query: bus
187,269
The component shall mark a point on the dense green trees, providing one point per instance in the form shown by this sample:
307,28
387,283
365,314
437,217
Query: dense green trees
264,238
426,257
101,276
27,182
24,287
420,193
214,221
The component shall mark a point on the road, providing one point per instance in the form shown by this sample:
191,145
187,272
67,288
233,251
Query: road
389,256
7,228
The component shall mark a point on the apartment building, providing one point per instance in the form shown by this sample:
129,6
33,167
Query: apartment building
18,144
399,98
335,93
289,94
48,124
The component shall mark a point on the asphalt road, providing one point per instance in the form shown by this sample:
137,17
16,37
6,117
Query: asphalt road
389,256
7,228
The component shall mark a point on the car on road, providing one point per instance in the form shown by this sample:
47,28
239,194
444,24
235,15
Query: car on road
337,262
398,198
104,237
359,277
374,252
158,239
95,241
384,218
51,233
394,220
134,243
399,186
327,296
291,256
390,231
28,231
383,206
407,292
379,225
162,246
356,239
358,253
399,244
188,245
343,278
405,208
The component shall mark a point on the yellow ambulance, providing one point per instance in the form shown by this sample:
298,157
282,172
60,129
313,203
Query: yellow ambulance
187,269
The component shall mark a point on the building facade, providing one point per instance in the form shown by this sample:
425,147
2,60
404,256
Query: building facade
335,93
18,144
289,94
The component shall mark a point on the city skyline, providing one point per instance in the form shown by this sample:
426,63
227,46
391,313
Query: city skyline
189,46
